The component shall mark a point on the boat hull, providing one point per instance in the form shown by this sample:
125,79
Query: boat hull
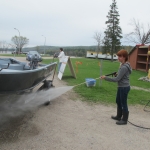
16,81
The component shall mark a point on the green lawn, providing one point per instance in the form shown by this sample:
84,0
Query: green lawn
106,92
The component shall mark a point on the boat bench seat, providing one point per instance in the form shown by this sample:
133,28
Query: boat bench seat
12,66
2,61
16,66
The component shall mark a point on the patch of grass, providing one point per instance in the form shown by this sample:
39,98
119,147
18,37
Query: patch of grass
106,92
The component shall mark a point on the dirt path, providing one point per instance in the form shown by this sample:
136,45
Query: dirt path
71,124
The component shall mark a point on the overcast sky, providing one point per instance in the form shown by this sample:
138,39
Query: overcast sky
65,22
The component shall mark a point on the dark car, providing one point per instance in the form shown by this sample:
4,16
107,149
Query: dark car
33,55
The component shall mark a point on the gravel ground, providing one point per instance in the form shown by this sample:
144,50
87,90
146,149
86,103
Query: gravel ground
71,124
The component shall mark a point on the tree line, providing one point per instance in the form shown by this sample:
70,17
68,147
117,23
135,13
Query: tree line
81,52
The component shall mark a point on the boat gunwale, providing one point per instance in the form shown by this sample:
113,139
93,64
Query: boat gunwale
13,71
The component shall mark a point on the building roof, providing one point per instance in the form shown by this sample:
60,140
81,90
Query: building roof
140,46
145,46
132,50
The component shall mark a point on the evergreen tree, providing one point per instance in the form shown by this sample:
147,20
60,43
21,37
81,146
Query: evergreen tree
107,43
113,31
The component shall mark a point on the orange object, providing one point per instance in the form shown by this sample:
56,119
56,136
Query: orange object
78,63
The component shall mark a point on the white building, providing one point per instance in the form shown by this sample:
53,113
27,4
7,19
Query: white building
91,54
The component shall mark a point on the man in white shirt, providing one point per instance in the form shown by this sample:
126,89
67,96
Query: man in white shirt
61,57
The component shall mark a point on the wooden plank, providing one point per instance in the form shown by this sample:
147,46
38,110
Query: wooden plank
63,66
71,68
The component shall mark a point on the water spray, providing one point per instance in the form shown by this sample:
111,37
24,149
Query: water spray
33,100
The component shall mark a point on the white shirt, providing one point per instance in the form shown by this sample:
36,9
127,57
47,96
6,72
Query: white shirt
61,56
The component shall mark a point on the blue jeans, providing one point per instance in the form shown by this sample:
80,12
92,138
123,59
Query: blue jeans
121,98
59,65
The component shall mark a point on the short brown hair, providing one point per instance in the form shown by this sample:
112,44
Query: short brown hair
123,53
61,49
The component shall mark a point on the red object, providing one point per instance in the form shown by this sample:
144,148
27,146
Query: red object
139,58
140,44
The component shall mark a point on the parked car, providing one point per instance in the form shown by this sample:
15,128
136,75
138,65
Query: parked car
33,55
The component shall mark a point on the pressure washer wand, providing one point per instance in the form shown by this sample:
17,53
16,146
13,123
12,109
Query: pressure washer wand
85,82
112,74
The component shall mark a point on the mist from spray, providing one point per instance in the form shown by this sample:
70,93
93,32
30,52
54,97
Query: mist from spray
16,105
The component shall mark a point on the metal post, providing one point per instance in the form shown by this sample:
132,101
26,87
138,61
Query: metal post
101,64
19,38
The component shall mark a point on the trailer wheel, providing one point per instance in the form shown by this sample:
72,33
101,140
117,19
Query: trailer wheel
47,103
47,84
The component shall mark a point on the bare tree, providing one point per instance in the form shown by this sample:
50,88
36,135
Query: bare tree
99,39
20,42
139,35
12,46
3,46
